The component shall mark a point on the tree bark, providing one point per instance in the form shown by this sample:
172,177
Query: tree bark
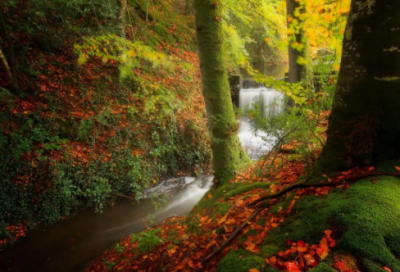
121,17
364,127
188,7
296,70
228,154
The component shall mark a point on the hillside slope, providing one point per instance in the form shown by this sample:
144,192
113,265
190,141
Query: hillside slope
90,115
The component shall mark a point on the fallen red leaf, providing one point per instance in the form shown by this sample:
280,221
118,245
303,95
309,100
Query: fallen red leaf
292,267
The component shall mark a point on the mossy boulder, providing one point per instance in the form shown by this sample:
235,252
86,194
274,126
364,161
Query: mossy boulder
246,187
240,261
365,220
323,267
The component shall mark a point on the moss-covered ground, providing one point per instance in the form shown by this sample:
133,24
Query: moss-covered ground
364,219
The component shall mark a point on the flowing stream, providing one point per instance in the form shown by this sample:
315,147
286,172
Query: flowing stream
70,245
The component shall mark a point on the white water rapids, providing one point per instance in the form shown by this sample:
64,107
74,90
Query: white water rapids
257,143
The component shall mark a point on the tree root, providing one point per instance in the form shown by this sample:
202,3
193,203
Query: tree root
303,184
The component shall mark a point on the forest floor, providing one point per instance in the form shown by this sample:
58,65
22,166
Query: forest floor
192,243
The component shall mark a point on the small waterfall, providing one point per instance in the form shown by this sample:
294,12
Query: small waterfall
250,83
270,101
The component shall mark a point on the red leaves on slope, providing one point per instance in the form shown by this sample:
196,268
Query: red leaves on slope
16,232
301,256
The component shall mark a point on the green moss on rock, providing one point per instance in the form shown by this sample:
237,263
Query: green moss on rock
364,219
224,191
268,251
323,267
280,206
245,188
240,261
222,208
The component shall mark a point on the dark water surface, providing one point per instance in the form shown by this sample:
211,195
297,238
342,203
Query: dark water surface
70,245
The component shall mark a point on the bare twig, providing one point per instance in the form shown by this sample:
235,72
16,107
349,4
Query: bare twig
121,195
311,129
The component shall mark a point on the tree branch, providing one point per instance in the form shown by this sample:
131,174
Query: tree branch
121,195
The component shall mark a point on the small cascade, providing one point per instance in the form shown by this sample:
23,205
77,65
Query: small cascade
251,84
187,196
182,192
270,101
169,186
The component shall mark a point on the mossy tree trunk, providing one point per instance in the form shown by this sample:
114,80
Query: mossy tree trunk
122,7
228,154
189,7
364,127
296,70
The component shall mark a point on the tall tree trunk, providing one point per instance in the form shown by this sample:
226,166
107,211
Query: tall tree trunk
121,17
188,7
228,154
364,127
295,70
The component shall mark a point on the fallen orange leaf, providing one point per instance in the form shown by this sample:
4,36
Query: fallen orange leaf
250,246
222,220
292,267
323,249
